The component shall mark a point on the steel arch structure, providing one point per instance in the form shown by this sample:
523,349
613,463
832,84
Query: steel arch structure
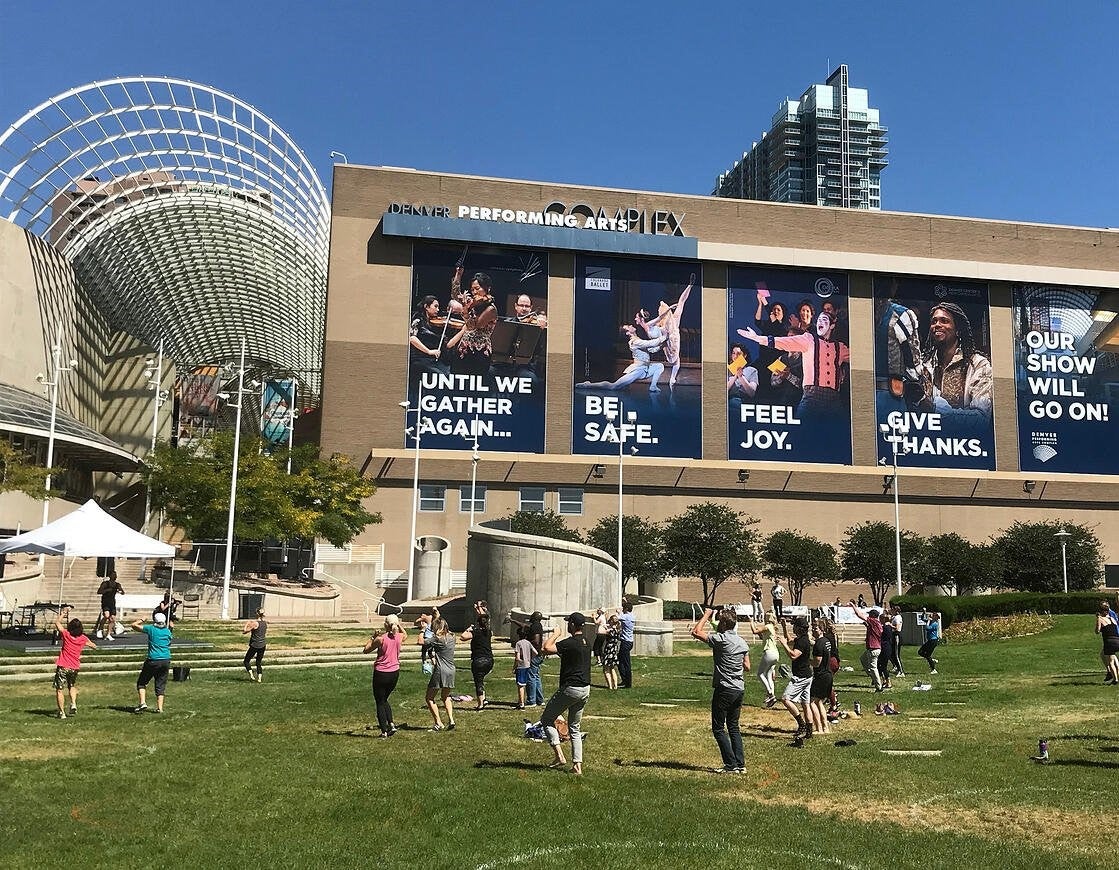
188,216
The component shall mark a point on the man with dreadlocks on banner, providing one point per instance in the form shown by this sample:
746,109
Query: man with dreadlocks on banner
961,376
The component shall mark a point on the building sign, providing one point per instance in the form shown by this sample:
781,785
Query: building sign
1067,388
637,357
477,347
788,366
558,214
933,371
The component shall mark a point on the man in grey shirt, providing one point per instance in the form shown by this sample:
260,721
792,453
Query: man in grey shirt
731,660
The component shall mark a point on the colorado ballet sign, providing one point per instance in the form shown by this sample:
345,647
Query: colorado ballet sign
660,222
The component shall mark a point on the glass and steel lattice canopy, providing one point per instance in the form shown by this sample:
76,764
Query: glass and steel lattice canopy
187,215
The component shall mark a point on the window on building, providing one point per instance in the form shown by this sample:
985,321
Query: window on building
570,501
532,499
432,497
464,499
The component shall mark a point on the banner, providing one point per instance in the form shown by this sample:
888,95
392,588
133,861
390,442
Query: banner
1067,385
477,347
788,365
277,401
933,374
196,395
637,356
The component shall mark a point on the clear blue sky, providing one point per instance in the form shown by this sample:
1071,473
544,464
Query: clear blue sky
1000,108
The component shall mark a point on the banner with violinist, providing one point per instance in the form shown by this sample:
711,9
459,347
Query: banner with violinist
477,347
637,357
788,366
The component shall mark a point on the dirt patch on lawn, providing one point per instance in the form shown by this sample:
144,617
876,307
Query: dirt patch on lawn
17,751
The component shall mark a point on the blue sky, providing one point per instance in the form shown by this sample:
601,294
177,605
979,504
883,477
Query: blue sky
995,109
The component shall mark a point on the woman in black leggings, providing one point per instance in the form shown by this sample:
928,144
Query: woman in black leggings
386,670
481,655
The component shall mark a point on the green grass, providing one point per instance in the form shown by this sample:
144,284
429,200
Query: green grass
286,772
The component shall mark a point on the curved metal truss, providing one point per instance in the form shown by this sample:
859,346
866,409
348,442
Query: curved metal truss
187,214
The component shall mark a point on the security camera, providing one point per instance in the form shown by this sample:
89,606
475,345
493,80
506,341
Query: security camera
223,396
409,430
883,462
633,450
73,363
403,405
41,378
884,428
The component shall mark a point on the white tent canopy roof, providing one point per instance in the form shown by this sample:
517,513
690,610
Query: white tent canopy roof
87,532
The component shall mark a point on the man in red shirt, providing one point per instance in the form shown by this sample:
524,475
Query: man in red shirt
873,643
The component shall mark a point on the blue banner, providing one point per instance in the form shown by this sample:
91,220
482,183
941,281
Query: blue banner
276,415
933,373
477,347
638,357
1067,384
788,366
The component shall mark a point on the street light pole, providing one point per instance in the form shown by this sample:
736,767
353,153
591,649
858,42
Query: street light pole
1064,535
415,433
619,431
474,457
233,487
155,384
52,382
894,434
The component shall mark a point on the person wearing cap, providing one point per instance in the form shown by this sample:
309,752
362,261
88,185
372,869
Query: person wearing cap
574,689
798,693
157,663
873,643
732,659
534,632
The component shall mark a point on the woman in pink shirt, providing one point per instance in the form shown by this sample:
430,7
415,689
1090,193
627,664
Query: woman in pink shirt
386,670
69,661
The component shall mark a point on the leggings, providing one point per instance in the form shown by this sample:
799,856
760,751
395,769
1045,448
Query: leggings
258,652
895,655
926,651
480,669
765,672
383,684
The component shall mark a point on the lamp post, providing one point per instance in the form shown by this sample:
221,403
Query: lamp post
292,414
616,419
895,435
233,484
51,383
1064,535
153,372
414,432
475,456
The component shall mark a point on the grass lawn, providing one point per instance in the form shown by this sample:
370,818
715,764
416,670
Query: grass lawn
286,773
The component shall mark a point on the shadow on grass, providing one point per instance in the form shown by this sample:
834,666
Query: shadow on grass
1106,749
1100,737
486,764
1064,683
1084,762
50,714
121,708
663,765
351,732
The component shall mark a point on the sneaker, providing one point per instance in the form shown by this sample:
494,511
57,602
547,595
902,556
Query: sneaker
61,715
797,743
933,671
157,710
900,674
73,710
142,708
100,634
392,730
109,637
260,676
249,671
771,700
435,728
451,727
799,732
740,770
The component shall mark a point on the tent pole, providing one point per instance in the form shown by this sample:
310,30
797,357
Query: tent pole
61,578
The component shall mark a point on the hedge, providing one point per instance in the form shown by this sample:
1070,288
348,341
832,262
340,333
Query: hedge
678,610
964,607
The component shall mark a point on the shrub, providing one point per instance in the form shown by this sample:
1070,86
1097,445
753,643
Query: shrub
999,628
678,610
966,607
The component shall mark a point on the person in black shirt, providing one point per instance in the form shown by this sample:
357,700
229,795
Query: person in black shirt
481,654
573,692
798,692
821,677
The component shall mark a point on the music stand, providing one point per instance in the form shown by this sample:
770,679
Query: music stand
515,343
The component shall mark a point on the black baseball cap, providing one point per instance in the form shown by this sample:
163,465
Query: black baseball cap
576,620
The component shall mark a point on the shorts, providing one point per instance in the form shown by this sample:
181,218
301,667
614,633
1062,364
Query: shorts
522,676
65,678
110,609
799,690
821,685
157,669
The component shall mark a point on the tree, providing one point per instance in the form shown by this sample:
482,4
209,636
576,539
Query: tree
799,560
320,498
712,542
18,473
544,524
642,547
869,555
957,563
1031,557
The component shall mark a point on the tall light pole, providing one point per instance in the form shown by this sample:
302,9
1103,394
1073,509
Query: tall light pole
1064,535
474,457
619,420
895,435
414,432
233,484
153,373
292,414
51,383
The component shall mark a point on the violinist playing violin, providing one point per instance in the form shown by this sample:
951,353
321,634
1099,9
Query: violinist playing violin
472,345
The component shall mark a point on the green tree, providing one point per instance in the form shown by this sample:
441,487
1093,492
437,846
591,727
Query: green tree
545,524
959,564
799,560
18,473
869,555
320,498
712,542
642,547
1031,555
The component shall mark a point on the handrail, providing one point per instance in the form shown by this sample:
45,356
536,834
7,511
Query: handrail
306,572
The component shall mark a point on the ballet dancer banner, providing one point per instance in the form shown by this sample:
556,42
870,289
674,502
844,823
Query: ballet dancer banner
637,357
1068,402
788,366
276,418
933,372
477,347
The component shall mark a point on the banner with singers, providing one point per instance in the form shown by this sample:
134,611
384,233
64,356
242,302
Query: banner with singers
788,365
932,370
477,347
637,357
1065,380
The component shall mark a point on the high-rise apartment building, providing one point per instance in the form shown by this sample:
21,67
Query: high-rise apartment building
827,148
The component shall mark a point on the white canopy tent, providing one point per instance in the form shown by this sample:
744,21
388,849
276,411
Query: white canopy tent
85,533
